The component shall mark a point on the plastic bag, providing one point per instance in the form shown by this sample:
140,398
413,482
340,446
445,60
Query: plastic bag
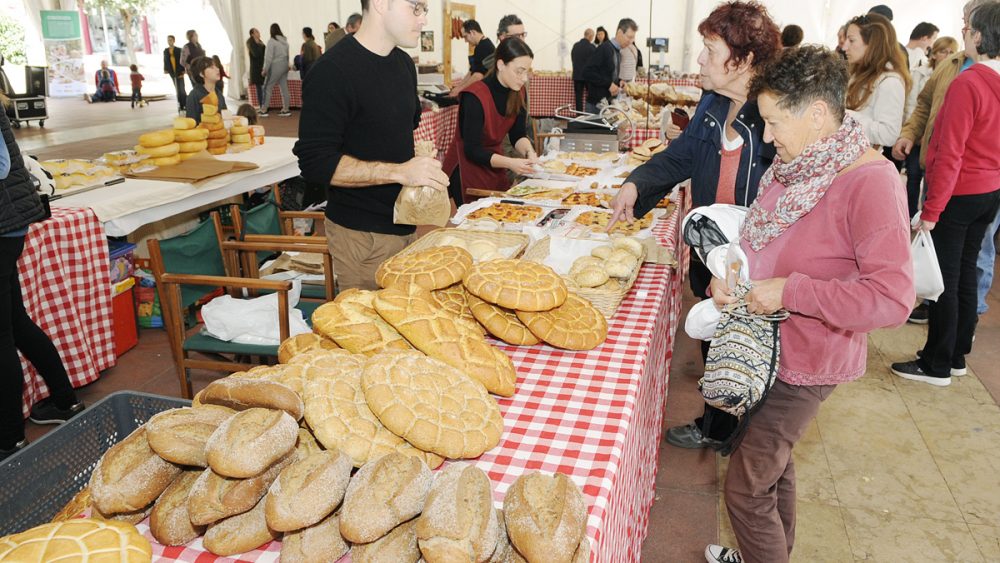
702,320
422,205
927,279
253,321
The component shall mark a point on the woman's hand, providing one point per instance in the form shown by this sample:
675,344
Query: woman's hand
672,131
765,296
522,166
721,292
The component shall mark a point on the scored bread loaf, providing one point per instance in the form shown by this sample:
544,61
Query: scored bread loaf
250,441
501,323
307,491
458,522
398,546
356,328
301,343
169,521
244,393
319,543
383,494
79,539
179,435
214,497
519,285
130,476
239,534
433,268
546,517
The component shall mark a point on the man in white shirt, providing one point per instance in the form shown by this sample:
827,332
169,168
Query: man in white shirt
921,39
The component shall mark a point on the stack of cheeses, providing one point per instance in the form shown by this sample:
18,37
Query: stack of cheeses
218,137
191,139
160,147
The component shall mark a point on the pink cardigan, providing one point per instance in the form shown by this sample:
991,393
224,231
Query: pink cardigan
849,272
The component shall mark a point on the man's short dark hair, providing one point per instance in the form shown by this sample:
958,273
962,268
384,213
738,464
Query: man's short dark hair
923,29
171,37
986,20
803,75
471,25
506,22
882,10
626,24
791,36
354,20
197,67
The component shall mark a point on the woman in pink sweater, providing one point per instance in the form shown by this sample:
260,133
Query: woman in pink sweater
827,240
963,199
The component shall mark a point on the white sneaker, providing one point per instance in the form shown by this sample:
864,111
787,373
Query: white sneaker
719,554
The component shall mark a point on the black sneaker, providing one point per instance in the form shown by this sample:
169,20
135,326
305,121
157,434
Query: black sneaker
719,554
4,454
913,372
690,437
262,113
46,412
918,316
284,113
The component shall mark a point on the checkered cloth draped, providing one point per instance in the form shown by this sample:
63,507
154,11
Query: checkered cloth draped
546,93
294,93
438,126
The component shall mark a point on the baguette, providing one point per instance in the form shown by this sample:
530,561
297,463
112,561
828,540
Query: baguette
169,522
242,393
239,534
319,543
249,442
130,476
398,546
458,522
214,497
308,491
546,517
383,494
179,435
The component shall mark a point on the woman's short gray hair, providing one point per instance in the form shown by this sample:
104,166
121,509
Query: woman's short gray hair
803,75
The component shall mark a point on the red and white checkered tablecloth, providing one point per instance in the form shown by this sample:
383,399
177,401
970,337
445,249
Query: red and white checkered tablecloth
595,416
65,282
438,126
641,135
546,93
294,92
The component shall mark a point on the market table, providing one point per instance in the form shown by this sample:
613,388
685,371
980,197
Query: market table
547,92
294,93
65,283
595,416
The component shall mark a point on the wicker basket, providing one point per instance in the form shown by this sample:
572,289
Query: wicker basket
501,239
604,300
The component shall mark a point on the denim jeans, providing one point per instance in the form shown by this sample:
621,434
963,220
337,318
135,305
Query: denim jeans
984,265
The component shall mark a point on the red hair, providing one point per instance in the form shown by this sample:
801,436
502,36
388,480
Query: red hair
747,28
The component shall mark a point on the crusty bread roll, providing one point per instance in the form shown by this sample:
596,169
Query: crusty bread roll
244,393
133,517
616,269
249,442
546,517
383,494
458,522
239,534
591,276
214,497
520,285
169,521
307,491
130,475
307,444
79,539
631,244
504,553
179,435
433,268
319,543
602,252
299,343
398,546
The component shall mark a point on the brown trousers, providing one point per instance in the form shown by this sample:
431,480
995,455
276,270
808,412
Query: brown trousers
760,483
357,254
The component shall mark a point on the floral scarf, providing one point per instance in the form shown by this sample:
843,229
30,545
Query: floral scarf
807,179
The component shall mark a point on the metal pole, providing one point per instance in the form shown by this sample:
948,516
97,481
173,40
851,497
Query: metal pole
107,39
688,26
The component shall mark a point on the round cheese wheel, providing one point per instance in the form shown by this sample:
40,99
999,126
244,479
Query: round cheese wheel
211,117
159,152
217,134
184,123
216,143
165,161
194,146
190,135
245,138
217,150
185,155
239,130
157,138
209,110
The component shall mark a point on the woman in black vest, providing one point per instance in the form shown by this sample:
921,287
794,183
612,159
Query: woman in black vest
255,47
19,208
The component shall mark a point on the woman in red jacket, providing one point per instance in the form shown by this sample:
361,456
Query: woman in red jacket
963,198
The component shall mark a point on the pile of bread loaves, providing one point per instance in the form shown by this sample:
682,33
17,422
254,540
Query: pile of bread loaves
645,151
608,265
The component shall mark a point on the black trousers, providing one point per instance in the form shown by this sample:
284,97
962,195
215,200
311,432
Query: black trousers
19,332
714,423
914,177
578,88
136,95
181,92
958,237
887,152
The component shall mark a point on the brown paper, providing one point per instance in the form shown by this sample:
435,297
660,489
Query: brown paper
194,170
656,254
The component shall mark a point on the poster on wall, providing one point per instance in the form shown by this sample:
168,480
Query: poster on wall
63,41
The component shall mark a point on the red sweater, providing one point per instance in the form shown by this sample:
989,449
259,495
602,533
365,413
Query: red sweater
963,157
849,272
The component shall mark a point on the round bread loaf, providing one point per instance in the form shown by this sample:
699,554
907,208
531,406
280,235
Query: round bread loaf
591,276
239,534
631,244
575,325
179,435
602,252
130,475
382,495
616,269
242,393
519,285
291,376
307,491
458,522
302,343
433,268
501,323
249,442
585,262
214,497
546,517
169,521
79,539
431,405
319,543
455,300
399,545
362,297
356,328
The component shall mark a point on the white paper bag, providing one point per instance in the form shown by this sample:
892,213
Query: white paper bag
926,271
253,321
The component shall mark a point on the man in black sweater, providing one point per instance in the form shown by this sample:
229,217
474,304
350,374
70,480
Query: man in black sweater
472,32
358,139
601,72
172,66
580,55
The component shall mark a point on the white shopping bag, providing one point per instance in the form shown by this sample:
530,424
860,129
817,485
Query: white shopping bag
253,321
926,271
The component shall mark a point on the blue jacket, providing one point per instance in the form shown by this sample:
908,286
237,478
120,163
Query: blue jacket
697,154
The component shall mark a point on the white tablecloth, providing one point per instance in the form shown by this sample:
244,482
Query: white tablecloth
125,207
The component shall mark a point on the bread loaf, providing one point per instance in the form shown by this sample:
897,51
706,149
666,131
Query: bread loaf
546,517
301,343
74,507
382,495
239,534
169,521
251,441
398,546
307,444
80,539
458,522
357,328
133,517
307,491
214,497
319,543
130,476
179,435
504,553
242,393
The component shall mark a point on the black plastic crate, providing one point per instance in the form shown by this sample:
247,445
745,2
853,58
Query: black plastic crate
38,481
